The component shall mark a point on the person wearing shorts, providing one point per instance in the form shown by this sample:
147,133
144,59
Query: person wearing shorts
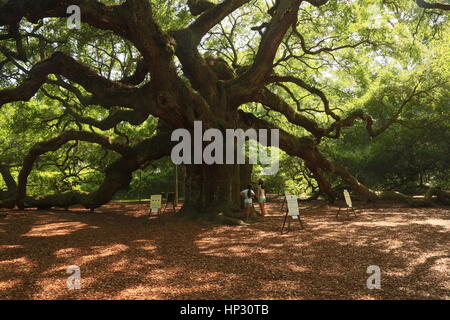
262,197
248,194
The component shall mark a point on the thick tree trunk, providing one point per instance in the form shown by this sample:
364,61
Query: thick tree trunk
245,175
211,190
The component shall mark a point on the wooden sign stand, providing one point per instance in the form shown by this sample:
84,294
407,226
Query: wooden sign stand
348,201
158,213
284,203
295,214
171,199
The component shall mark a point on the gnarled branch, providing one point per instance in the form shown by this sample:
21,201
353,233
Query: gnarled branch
107,93
427,5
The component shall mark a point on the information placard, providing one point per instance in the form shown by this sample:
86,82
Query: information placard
292,205
348,199
155,202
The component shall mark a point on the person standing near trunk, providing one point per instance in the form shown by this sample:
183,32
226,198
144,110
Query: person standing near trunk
248,194
262,197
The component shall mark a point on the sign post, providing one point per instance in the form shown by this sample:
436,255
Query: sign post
292,212
348,201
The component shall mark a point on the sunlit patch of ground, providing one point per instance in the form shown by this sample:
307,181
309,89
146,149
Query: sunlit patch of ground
122,254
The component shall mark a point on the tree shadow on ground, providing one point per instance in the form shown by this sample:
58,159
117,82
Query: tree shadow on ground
123,254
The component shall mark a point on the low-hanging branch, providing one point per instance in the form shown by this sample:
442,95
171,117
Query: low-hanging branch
107,93
209,90
117,175
56,143
318,164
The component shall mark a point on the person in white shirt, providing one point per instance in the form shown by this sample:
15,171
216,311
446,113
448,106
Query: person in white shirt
262,197
248,194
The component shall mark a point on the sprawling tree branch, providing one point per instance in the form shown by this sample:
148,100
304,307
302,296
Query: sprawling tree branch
56,143
138,75
197,7
302,147
134,117
8,178
132,20
213,16
117,175
256,76
307,149
309,88
199,72
326,49
95,13
156,97
360,114
107,93
276,103
427,5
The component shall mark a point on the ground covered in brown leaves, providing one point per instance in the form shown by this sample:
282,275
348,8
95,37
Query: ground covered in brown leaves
124,255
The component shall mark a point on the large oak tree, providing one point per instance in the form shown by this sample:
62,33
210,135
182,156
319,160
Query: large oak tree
208,65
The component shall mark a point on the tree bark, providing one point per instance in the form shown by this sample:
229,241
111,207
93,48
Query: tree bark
8,178
211,190
117,176
203,93
7,198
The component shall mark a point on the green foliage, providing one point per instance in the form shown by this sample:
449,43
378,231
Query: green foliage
156,178
404,48
413,152
292,177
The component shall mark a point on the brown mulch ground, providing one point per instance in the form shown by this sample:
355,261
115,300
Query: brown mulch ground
123,255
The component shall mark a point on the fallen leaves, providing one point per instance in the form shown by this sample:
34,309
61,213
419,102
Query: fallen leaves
124,255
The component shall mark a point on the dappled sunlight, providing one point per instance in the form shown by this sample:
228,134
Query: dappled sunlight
22,264
127,256
145,245
296,267
67,253
436,222
10,246
94,253
442,265
8,284
109,250
144,291
55,229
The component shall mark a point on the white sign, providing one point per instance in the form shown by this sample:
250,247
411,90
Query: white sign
155,202
348,200
292,205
